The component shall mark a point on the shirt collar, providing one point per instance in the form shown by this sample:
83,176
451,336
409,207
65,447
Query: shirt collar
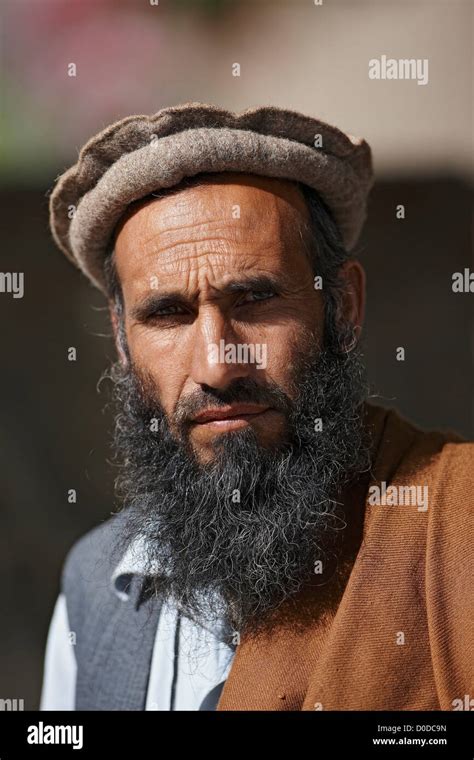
132,563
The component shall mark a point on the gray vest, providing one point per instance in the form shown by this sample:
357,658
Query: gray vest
114,638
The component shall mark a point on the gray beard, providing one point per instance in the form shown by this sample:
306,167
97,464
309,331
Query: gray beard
236,538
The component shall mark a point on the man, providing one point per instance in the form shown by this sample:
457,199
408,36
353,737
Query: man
283,544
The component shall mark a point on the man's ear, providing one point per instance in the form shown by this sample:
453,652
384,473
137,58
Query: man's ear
353,277
114,319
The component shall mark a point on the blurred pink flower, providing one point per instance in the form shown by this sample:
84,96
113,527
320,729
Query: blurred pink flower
119,50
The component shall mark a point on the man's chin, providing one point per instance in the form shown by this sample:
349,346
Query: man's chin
215,449
268,433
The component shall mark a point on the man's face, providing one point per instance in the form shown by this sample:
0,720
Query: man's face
218,290
235,487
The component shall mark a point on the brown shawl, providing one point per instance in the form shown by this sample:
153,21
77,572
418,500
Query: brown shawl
393,627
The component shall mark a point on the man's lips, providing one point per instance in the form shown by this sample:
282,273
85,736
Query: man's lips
228,413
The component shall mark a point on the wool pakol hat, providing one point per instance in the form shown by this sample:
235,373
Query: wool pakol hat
139,155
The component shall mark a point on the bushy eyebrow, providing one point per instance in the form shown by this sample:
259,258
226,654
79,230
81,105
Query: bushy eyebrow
247,284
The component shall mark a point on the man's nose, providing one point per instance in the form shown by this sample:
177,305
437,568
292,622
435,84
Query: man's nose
216,360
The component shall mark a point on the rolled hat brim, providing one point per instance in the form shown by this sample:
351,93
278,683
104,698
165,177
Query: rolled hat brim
143,154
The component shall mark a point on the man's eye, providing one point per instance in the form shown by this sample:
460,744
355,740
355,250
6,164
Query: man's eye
167,311
258,295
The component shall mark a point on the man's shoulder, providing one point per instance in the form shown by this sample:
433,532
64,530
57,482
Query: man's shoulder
91,560
405,449
445,457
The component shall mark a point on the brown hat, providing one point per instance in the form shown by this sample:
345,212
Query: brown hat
141,154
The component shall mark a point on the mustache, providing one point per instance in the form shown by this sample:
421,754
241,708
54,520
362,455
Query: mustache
241,390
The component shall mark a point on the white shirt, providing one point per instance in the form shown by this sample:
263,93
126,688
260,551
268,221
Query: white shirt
203,659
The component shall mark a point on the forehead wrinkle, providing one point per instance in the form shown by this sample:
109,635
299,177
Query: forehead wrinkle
195,287
183,212
166,228
217,198
219,248
236,238
170,215
228,230
216,245
189,257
